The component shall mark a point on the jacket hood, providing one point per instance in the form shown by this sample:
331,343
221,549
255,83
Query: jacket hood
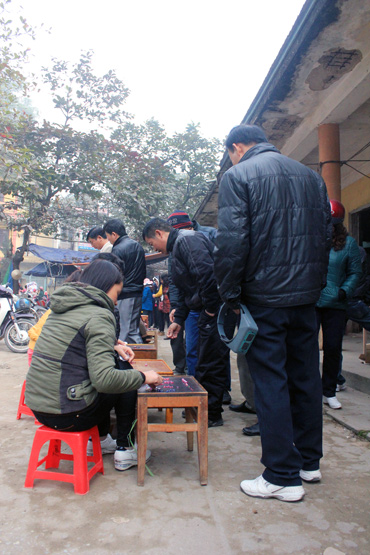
71,295
258,149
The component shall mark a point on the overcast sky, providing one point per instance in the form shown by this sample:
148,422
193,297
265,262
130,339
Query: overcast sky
199,60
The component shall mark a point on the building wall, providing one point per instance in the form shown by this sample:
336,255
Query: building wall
356,196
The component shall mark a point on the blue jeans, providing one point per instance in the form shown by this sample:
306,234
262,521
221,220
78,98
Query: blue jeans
191,341
284,363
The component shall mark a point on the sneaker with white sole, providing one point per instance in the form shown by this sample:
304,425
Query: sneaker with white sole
261,488
108,445
126,458
341,387
310,475
332,402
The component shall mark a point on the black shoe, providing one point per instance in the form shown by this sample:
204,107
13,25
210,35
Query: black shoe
252,430
242,408
226,399
215,423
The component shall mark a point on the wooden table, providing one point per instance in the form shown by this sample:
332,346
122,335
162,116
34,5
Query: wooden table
158,365
180,392
144,350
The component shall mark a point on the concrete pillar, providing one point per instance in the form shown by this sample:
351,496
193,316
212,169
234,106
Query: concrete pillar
329,151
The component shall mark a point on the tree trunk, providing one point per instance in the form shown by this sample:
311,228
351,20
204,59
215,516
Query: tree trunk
19,257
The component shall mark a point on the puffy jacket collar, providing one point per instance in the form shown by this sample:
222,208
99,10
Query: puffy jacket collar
171,239
258,149
71,295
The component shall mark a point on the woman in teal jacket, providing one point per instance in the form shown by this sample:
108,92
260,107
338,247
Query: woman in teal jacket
344,272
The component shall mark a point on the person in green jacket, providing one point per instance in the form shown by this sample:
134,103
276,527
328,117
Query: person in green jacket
344,272
73,381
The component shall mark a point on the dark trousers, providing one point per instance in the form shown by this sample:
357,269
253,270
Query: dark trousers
284,363
129,313
160,320
98,414
212,366
178,352
156,316
332,322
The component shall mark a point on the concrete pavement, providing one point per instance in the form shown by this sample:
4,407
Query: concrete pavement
172,513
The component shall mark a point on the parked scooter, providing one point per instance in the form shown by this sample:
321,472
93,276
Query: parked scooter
28,305
14,326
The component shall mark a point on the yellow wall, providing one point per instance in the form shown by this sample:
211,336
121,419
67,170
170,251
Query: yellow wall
356,196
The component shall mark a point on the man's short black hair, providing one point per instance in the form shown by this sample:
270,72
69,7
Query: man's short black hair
152,225
245,134
95,232
115,226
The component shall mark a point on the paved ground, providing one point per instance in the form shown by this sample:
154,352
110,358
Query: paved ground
172,513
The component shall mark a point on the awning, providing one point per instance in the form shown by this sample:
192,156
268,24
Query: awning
50,269
65,256
62,256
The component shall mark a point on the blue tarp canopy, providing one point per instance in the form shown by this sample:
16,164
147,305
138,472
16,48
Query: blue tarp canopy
66,256
62,256
51,270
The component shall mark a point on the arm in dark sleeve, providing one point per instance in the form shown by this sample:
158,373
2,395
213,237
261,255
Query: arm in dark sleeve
177,298
182,310
173,291
354,268
232,240
328,229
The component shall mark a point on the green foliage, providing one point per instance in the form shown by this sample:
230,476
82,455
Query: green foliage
60,177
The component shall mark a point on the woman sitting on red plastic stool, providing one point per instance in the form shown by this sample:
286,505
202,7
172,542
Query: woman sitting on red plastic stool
73,381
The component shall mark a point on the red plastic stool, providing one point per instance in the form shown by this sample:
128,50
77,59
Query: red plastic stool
77,441
22,407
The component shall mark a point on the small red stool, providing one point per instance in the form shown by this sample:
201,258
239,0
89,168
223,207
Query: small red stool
77,441
22,407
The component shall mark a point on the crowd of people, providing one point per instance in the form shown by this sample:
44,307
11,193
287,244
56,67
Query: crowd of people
281,249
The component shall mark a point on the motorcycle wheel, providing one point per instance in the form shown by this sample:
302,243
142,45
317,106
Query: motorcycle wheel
12,339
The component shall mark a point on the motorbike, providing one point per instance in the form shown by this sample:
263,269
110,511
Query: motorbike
28,305
14,326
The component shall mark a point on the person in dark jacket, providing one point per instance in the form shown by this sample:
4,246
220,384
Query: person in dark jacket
193,275
344,273
73,381
129,301
181,220
272,248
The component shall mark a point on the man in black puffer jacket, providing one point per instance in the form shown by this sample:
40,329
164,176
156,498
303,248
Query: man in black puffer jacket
272,249
129,301
193,275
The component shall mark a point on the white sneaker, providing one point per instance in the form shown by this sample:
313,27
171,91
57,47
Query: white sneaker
126,458
310,475
261,488
341,387
332,402
108,445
